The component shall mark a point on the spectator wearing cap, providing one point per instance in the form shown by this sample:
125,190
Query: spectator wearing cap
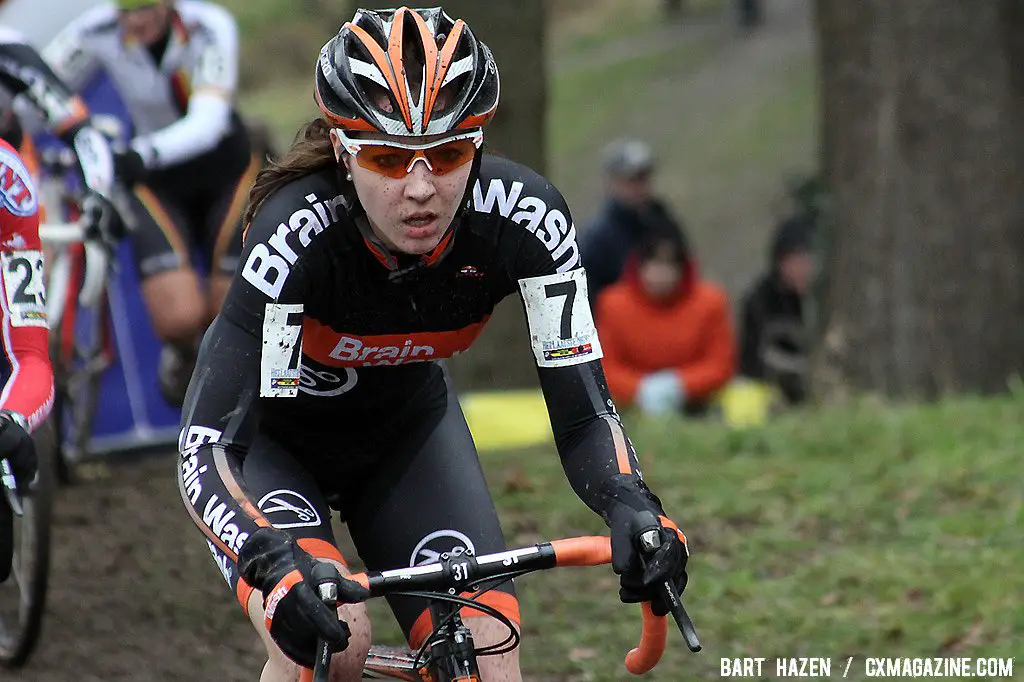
630,211
666,334
773,337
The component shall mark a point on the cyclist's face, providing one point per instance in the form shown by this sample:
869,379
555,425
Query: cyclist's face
410,214
147,24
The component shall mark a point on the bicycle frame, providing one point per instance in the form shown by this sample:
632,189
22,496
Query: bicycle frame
97,265
465,572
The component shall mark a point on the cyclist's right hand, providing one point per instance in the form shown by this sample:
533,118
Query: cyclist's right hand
17,447
102,220
129,168
272,562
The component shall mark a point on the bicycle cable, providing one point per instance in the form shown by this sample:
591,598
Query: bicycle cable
505,646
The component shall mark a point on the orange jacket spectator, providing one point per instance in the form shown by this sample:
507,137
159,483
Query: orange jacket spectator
660,317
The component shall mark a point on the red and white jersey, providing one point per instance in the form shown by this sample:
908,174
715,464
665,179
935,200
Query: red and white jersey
25,373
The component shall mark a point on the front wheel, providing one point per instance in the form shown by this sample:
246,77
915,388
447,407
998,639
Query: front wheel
23,594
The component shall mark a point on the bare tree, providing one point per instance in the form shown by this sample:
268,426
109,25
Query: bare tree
923,150
515,32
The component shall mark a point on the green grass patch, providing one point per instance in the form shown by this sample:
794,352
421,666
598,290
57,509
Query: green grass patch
867,530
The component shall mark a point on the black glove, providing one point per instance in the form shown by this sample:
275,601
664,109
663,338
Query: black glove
272,562
129,168
17,447
102,220
634,510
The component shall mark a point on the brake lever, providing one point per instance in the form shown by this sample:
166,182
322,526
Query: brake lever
650,541
327,577
10,488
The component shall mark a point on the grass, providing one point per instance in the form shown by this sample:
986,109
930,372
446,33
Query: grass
868,530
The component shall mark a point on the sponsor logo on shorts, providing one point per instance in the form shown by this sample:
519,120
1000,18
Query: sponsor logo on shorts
432,546
289,509
218,518
223,563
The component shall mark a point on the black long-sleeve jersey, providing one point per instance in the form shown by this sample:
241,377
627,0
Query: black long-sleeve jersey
319,344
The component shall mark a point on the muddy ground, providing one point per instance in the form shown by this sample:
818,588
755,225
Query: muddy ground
134,593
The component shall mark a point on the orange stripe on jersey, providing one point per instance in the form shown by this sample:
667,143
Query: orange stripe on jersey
181,89
341,349
243,591
321,549
439,249
207,531
621,449
233,486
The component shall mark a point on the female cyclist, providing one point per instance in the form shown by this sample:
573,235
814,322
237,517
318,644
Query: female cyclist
376,247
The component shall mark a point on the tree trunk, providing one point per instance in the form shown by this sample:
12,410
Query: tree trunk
515,32
923,150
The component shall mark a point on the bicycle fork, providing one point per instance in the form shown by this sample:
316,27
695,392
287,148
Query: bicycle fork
451,647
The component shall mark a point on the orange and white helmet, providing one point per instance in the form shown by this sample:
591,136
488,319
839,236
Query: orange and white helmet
406,72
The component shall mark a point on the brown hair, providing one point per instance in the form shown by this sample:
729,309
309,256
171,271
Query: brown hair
310,152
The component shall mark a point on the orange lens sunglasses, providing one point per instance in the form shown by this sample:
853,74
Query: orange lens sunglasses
396,159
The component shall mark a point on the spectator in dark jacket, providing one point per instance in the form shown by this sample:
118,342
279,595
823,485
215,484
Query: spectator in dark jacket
773,337
630,212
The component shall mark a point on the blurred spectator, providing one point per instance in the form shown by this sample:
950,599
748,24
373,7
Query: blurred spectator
773,336
630,212
667,336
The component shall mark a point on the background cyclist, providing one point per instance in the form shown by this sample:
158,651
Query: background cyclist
377,246
175,65
26,379
30,89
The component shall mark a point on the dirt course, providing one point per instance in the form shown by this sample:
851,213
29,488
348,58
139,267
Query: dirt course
134,593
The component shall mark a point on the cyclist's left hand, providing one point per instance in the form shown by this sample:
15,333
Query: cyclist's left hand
17,447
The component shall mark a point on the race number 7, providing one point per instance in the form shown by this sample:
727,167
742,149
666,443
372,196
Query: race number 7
567,289
558,313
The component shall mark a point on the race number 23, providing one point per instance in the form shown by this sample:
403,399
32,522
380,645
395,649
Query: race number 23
24,288
562,329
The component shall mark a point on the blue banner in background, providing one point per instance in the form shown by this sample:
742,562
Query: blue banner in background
132,413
